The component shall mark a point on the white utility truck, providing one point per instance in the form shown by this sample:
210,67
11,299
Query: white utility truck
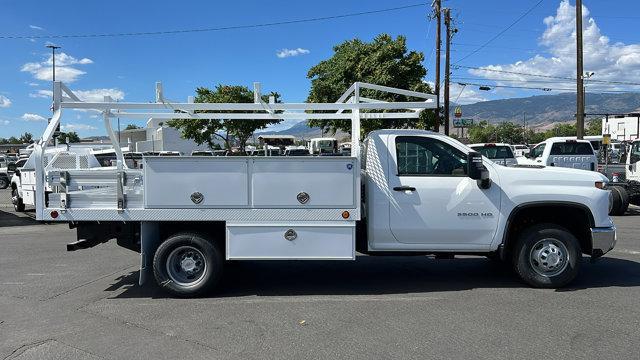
400,192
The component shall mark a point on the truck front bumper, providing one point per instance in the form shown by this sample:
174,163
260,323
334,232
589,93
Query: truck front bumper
602,240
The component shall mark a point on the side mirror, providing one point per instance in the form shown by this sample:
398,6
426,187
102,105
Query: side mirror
477,171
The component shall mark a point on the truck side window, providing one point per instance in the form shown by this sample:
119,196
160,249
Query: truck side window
420,156
538,150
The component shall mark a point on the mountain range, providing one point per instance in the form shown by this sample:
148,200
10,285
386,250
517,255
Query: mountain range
545,109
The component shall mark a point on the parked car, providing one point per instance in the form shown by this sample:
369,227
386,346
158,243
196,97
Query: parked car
499,153
296,152
562,152
201,153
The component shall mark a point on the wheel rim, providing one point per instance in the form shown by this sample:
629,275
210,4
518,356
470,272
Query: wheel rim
549,257
186,266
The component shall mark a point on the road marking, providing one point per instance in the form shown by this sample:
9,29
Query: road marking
625,251
12,283
35,274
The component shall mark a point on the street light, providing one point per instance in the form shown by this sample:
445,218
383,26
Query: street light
53,58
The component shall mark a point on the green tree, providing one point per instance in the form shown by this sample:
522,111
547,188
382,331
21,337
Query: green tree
72,136
205,131
26,138
13,140
594,127
384,61
132,127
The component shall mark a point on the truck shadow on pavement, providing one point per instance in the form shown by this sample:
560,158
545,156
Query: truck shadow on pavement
380,276
11,219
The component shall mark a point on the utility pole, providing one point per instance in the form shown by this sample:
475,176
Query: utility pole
579,73
447,70
53,87
438,16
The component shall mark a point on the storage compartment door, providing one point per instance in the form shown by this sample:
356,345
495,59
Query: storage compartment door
177,182
296,241
328,182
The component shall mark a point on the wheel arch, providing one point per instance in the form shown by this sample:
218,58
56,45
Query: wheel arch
577,218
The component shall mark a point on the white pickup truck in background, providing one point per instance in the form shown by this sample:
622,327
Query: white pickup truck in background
499,153
402,192
563,152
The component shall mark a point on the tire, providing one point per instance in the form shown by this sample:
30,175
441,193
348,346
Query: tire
620,201
4,183
18,205
547,256
202,256
625,200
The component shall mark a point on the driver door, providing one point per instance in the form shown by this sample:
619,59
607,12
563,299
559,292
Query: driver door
433,201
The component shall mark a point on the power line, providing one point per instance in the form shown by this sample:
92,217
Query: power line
235,27
501,32
537,88
547,76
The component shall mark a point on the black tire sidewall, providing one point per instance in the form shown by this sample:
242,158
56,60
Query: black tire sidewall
213,259
617,200
526,242
19,205
4,184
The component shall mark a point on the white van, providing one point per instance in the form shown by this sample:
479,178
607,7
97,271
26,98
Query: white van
562,152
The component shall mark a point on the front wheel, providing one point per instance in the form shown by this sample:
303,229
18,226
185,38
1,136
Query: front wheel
188,264
547,256
4,183
18,205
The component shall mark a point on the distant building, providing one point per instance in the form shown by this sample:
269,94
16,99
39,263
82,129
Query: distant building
622,128
160,137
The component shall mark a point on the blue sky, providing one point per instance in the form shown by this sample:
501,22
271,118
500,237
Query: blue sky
128,67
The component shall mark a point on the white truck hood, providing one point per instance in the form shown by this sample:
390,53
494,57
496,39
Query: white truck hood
549,174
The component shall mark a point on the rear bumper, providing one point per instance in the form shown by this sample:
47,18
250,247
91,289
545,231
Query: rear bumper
602,240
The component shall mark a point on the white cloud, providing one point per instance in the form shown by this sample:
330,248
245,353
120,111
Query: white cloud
92,95
4,102
291,52
76,127
97,95
64,71
32,84
32,117
41,94
4,122
35,27
610,61
469,94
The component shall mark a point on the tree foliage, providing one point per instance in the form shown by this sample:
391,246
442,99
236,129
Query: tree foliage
384,61
71,136
227,130
511,133
132,127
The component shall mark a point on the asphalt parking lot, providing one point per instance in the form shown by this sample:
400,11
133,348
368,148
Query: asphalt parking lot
87,305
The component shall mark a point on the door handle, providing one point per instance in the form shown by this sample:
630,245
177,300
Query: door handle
404,188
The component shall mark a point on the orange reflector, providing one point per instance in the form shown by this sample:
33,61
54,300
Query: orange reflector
600,184
345,214
54,214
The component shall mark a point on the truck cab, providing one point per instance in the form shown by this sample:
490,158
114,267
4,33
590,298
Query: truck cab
423,193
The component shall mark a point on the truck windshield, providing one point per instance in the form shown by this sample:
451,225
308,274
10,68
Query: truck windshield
494,152
572,148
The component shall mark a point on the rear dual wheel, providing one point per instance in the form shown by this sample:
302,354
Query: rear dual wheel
619,201
188,264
